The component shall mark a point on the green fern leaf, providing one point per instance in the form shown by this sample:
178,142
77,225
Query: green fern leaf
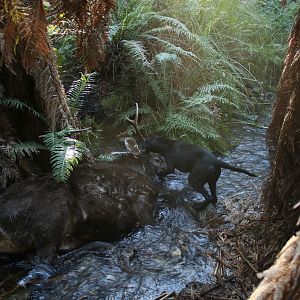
65,153
25,149
17,104
79,90
137,52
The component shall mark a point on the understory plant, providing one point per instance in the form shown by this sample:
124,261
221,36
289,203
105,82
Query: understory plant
191,65
65,150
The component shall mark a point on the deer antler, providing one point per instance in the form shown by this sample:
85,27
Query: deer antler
135,122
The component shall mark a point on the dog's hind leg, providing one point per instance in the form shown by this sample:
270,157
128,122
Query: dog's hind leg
213,190
197,181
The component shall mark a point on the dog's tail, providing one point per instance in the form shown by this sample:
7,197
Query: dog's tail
225,165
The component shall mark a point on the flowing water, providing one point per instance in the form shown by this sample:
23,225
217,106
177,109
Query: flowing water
165,256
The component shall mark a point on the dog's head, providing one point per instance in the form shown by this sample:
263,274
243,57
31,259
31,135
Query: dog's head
156,144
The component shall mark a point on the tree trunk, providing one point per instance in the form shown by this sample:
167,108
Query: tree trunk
282,190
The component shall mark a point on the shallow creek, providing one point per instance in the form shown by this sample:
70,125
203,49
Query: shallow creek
165,256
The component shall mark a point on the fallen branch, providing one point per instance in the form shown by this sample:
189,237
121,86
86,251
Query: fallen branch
80,130
246,260
165,295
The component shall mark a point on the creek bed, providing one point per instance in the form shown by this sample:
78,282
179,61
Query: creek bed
164,256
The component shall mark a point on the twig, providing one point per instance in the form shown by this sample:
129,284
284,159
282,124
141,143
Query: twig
165,296
231,287
246,260
217,286
219,260
80,130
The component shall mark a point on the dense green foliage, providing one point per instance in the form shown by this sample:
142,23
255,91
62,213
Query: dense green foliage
193,64
65,152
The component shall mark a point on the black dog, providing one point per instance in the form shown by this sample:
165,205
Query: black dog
203,166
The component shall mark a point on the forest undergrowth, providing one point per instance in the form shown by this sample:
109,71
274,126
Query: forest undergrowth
193,66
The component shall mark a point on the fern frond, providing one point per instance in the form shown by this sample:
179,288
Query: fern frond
65,153
25,149
79,90
164,57
170,47
52,138
172,22
184,122
137,52
177,28
215,93
63,159
17,104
